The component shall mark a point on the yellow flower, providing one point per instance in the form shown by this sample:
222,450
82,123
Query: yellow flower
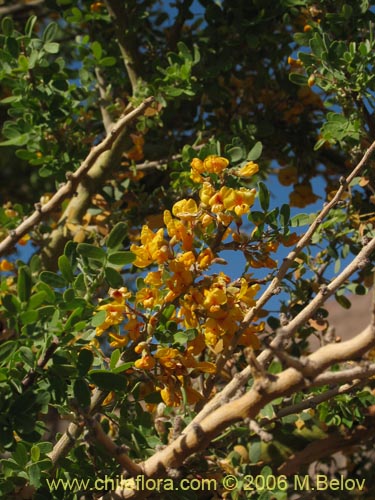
247,293
205,258
248,170
154,278
214,297
239,200
121,294
185,209
178,231
154,248
206,193
205,367
197,168
171,395
182,272
215,164
148,297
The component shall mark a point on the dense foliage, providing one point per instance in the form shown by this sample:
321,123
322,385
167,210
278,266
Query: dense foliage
183,186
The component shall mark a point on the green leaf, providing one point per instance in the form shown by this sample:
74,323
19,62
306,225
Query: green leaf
34,475
24,284
82,393
84,362
7,26
35,453
115,356
235,153
29,317
73,318
13,48
300,220
108,61
50,32
343,301
123,367
113,277
173,91
26,355
20,455
65,268
19,140
116,236
182,337
91,252
255,152
284,215
98,318
51,47
23,62
298,79
52,279
29,27
167,313
121,258
6,349
96,50
264,196
153,398
257,217
108,380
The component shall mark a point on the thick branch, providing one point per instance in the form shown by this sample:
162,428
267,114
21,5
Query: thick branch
197,437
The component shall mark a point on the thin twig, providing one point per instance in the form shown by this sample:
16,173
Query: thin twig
31,376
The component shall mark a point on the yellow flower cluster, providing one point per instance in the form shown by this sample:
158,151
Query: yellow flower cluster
210,306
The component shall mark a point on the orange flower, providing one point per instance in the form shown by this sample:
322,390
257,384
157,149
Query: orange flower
24,239
302,195
288,176
146,362
290,240
118,340
5,265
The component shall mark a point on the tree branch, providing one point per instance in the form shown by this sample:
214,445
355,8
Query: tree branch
128,48
93,168
198,436
12,9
